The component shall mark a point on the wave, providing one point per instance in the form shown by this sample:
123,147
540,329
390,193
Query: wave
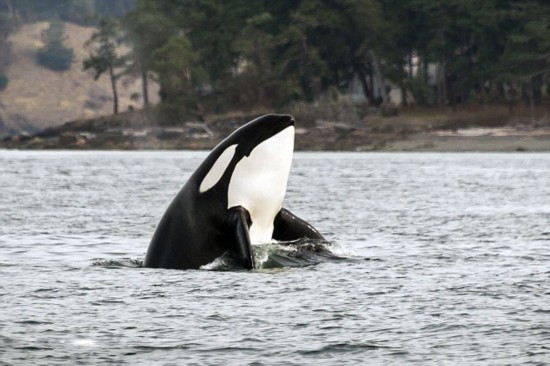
117,263
290,254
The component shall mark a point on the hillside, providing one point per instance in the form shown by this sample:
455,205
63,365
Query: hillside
37,98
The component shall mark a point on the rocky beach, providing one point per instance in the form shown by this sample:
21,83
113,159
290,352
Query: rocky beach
134,130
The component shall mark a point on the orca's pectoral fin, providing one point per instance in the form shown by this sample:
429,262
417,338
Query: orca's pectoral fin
239,219
288,226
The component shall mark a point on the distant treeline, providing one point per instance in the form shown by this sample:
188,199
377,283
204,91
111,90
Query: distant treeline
14,12
216,55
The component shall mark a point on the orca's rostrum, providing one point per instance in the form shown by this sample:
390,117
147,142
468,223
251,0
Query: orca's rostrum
232,201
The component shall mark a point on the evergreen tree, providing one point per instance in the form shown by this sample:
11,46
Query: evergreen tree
147,30
345,38
114,9
180,77
103,57
55,55
259,53
527,56
213,27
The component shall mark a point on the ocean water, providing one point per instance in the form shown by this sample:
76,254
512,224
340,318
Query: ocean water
446,261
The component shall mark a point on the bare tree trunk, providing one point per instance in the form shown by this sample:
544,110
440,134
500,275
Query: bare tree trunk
145,88
377,73
425,72
409,65
536,86
364,83
440,84
113,87
404,101
532,100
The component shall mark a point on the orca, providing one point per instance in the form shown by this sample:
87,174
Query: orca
232,201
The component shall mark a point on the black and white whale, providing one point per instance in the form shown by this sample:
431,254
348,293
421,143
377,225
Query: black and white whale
232,201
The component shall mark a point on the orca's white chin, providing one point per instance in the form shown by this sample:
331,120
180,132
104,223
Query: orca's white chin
259,183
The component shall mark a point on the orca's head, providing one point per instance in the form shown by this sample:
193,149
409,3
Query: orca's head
270,136
263,130
259,155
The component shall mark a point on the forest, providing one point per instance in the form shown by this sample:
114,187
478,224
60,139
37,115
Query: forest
211,56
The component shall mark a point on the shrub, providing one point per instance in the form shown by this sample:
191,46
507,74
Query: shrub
54,55
56,59
3,81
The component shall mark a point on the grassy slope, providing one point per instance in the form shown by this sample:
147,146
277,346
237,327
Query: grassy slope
40,97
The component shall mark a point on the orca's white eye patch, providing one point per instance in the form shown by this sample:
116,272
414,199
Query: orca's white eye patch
217,169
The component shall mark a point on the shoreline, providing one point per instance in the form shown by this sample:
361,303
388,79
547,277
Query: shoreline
434,142
438,141
132,131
